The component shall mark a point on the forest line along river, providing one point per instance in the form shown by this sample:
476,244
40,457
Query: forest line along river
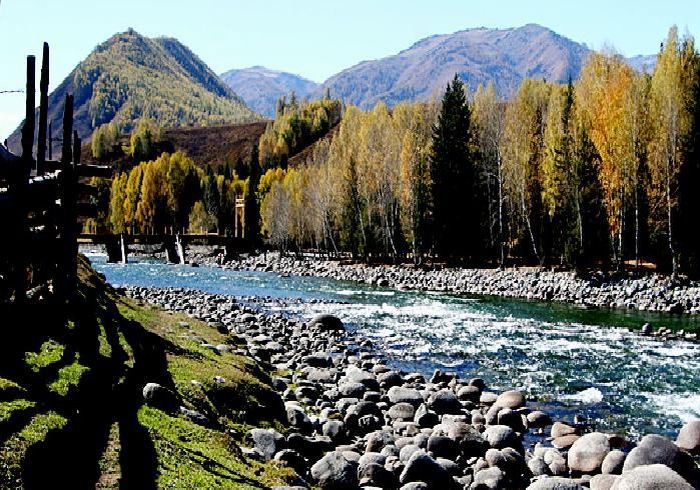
568,360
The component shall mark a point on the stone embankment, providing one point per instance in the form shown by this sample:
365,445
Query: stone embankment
355,422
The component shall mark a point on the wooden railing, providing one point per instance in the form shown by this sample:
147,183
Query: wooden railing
40,205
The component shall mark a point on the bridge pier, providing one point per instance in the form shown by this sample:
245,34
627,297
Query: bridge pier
117,249
174,249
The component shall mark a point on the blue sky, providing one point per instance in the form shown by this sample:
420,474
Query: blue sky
312,38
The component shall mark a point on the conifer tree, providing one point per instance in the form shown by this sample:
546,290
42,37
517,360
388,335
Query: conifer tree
456,230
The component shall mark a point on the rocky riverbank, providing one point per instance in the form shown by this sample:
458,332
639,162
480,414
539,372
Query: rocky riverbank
651,292
355,422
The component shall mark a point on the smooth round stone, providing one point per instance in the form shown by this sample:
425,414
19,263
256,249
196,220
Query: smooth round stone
399,394
489,478
510,399
335,472
613,462
689,437
555,483
469,393
559,429
565,442
587,453
488,398
651,477
401,411
603,482
499,436
538,420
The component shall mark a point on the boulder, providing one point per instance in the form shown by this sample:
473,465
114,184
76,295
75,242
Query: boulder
652,449
588,452
489,478
613,462
335,472
422,467
399,394
603,482
160,397
651,477
560,429
510,399
538,420
500,436
443,447
401,411
327,323
268,441
445,401
689,437
555,483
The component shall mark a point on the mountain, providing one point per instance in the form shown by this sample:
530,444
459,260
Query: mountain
131,76
260,87
481,55
643,63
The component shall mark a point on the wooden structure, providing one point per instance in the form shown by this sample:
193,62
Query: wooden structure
40,202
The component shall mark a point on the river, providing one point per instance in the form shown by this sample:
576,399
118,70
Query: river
567,360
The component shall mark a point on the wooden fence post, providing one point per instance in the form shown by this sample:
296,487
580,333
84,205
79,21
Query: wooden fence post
67,263
21,181
43,111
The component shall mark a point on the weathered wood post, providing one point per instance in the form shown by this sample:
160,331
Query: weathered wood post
21,182
50,141
67,269
43,111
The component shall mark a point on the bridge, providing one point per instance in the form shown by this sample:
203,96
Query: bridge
174,245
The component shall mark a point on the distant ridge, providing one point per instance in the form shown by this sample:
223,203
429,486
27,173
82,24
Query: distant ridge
479,56
130,76
260,87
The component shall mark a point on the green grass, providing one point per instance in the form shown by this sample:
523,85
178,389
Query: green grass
68,377
122,345
51,352
191,456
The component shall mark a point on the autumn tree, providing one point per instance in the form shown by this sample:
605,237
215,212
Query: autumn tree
489,120
522,153
671,86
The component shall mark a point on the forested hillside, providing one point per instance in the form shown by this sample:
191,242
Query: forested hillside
131,77
604,170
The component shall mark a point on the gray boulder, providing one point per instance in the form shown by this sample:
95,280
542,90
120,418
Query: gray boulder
603,482
401,411
268,441
689,437
588,452
399,394
335,472
613,462
510,399
652,449
488,478
158,396
555,483
500,436
651,477
445,401
327,323
422,467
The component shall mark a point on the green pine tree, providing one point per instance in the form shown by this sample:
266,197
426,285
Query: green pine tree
456,217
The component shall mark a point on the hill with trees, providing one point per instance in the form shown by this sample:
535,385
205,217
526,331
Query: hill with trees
131,77
481,55
260,88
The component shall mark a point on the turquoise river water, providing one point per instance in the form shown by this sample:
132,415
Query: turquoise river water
567,360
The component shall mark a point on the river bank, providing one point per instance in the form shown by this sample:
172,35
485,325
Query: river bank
356,420
652,292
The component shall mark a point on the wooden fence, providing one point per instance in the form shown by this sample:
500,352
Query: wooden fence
40,202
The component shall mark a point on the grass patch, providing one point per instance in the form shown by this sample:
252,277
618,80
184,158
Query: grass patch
191,456
8,408
40,425
68,376
50,352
